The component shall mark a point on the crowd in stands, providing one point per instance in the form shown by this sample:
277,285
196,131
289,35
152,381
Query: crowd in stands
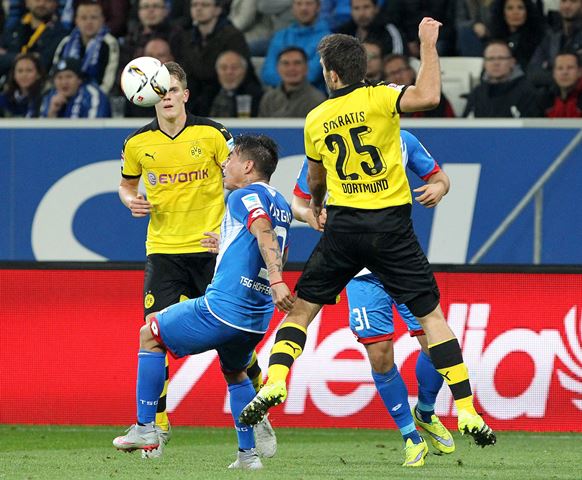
258,58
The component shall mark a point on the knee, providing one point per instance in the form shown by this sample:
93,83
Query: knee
235,377
146,338
381,356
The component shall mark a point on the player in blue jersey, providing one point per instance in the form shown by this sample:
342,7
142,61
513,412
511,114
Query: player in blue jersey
233,315
371,318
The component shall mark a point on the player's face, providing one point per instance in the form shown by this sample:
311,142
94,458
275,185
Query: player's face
89,19
515,13
174,102
67,83
363,12
234,170
25,74
566,71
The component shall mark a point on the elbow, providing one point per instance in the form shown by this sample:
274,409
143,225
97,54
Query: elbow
432,101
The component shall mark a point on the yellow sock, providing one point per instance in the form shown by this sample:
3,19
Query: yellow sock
289,344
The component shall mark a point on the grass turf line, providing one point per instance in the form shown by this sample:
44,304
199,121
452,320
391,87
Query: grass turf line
51,452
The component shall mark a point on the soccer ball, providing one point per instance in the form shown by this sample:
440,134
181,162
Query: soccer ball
145,81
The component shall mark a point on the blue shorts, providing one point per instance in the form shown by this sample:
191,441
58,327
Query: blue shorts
371,318
188,328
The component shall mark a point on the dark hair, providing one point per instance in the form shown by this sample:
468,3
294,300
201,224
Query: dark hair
527,37
90,3
375,2
569,52
36,89
178,72
292,49
260,149
345,55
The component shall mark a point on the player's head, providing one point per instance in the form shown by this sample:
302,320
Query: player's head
253,158
343,59
173,105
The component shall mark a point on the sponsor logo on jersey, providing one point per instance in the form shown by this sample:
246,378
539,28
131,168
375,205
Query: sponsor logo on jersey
180,177
251,202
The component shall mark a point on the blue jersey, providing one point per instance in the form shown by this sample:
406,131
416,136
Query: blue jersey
239,294
414,156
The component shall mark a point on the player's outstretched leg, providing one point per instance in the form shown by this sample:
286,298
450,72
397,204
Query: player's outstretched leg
247,456
289,344
163,427
429,384
448,360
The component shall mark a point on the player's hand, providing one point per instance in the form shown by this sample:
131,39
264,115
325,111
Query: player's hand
139,206
317,224
317,209
430,194
282,297
211,242
428,31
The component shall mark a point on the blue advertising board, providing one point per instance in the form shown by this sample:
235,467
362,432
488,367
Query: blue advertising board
59,190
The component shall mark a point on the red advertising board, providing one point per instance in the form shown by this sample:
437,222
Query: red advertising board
69,340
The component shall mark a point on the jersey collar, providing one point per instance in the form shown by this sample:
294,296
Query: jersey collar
345,90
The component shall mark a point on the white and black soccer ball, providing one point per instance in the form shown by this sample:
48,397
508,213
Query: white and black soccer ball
145,81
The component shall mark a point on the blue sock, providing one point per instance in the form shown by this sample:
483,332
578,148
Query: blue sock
151,374
394,394
241,394
429,384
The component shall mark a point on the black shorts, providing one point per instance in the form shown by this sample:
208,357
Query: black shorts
169,278
394,257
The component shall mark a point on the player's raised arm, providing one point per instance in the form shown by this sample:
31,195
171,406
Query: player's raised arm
266,237
426,93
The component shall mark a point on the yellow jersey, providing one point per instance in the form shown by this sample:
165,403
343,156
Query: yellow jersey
356,134
183,181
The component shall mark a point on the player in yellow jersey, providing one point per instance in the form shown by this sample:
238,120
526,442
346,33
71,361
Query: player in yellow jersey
353,143
179,156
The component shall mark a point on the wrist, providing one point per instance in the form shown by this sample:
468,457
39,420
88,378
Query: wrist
272,284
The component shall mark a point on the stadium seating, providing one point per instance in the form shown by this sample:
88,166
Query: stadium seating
459,76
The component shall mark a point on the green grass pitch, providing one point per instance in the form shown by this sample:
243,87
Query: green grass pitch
50,452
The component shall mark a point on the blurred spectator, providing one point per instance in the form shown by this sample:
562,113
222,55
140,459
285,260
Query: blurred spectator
197,47
38,31
520,24
473,16
116,14
567,37
566,98
91,42
295,96
367,24
305,32
152,22
254,24
71,97
158,48
374,68
240,93
407,14
504,90
23,90
2,20
397,70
